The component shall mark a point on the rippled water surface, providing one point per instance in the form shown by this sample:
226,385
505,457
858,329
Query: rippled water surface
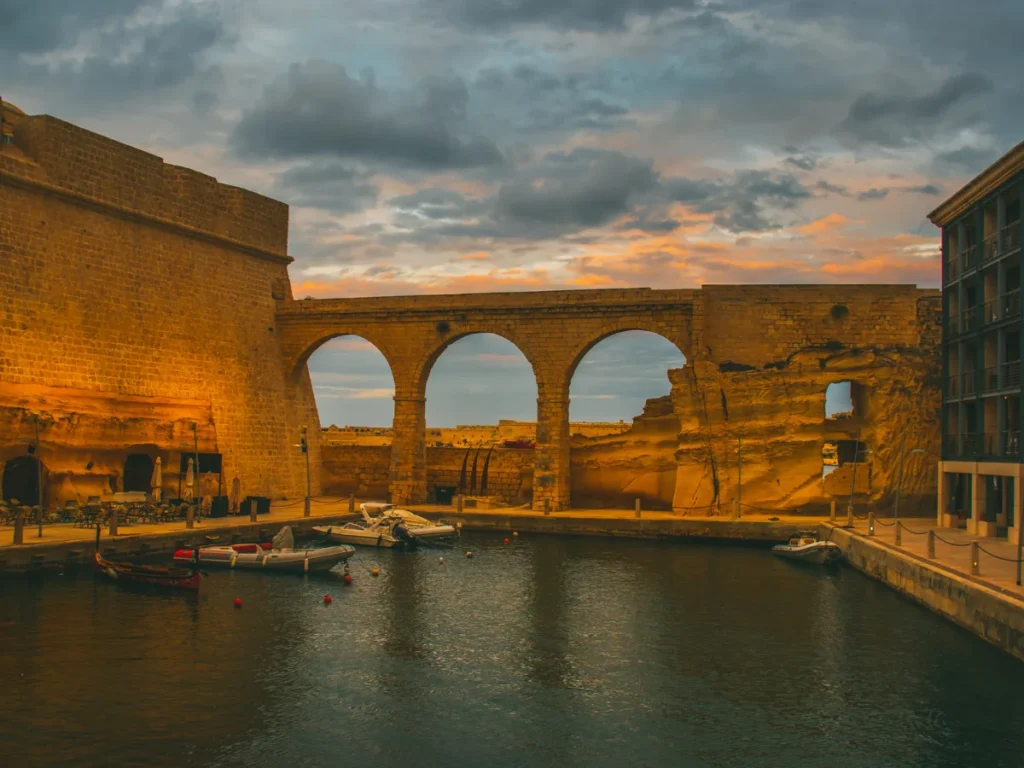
547,651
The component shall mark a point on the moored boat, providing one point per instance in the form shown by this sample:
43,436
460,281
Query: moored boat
134,574
387,533
417,526
806,546
146,575
279,555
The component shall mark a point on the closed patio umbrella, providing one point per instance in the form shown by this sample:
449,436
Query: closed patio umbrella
190,479
158,479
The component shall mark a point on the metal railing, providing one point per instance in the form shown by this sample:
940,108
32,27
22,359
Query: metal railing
991,381
1011,237
990,311
952,268
990,247
968,387
990,444
969,258
953,386
969,320
1011,443
1011,304
961,445
1011,373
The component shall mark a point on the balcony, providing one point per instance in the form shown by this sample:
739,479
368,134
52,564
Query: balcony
958,446
1011,374
969,320
990,311
969,258
990,444
968,383
1011,443
991,380
1011,304
990,248
953,386
952,269
1011,237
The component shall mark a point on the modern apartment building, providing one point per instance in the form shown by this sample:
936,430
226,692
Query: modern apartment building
980,475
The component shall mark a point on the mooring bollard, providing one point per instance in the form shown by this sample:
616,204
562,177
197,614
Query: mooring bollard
351,503
19,527
975,557
459,502
871,523
832,511
253,510
637,508
899,533
849,516
931,545
113,521
547,506
190,517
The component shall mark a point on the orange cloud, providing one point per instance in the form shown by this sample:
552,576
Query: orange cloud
824,224
478,256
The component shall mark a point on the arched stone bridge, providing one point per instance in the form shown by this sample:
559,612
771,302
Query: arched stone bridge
746,325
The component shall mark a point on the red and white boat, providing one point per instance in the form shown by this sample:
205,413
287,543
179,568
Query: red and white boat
281,555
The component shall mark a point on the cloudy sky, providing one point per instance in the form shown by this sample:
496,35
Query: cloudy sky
480,145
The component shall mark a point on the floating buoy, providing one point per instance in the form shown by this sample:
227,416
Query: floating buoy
515,533
469,554
347,579
238,602
375,571
506,541
327,599
440,560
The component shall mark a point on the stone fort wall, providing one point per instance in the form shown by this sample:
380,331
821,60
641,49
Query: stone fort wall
125,278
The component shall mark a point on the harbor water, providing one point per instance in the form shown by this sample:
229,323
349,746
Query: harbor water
546,651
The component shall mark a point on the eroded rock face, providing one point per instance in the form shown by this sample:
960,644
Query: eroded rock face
687,450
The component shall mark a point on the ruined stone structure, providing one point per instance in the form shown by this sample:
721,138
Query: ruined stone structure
147,312
759,361
138,299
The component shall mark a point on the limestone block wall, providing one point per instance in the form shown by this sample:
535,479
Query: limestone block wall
123,276
509,471
356,469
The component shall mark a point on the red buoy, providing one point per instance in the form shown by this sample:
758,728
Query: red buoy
506,541
347,579
238,602
327,599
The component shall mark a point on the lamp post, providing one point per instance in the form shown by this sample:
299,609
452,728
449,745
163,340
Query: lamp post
39,474
196,493
305,450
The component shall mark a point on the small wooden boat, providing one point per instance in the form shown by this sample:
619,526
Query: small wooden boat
146,575
132,574
807,547
281,555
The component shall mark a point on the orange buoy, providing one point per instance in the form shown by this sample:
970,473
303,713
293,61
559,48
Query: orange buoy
238,602
375,571
327,599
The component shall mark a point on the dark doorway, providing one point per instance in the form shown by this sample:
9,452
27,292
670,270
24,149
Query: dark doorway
138,473
21,480
444,494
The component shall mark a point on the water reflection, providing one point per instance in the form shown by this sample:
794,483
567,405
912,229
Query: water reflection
546,652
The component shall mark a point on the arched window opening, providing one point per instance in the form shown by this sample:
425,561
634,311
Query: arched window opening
481,413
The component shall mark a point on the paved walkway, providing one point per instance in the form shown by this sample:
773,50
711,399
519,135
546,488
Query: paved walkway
954,555
281,513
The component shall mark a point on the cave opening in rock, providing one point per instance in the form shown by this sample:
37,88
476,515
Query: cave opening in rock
21,480
840,401
623,426
481,412
138,472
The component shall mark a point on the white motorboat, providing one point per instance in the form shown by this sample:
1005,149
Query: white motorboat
384,525
419,527
806,546
279,555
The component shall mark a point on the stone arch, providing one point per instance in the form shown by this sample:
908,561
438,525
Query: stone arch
138,472
311,346
426,365
581,349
